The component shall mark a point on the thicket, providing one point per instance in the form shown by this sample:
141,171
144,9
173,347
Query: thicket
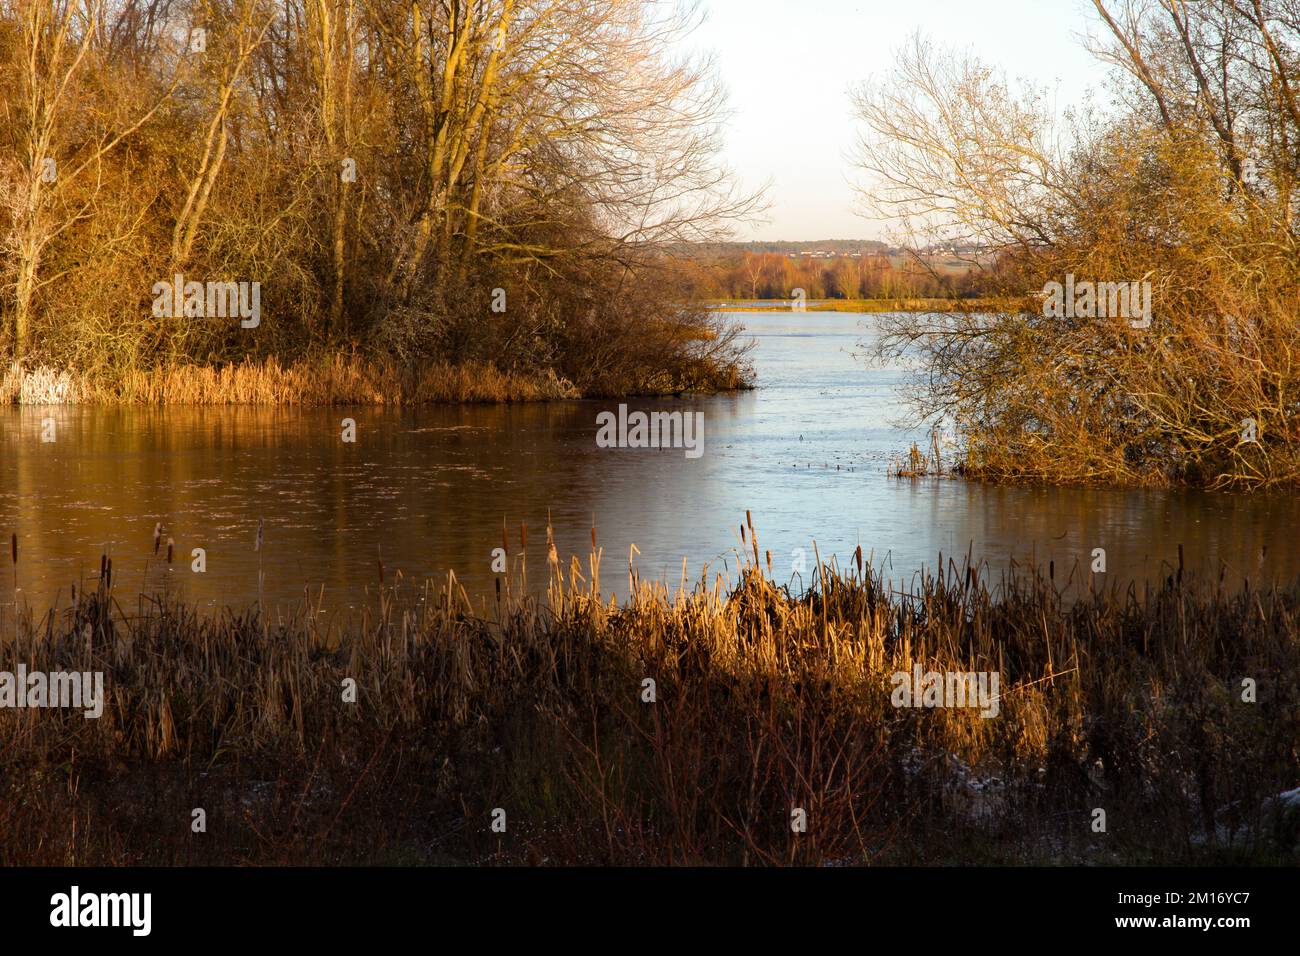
459,182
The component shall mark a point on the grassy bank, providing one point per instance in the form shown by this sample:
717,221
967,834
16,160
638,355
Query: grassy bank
764,702
329,380
336,380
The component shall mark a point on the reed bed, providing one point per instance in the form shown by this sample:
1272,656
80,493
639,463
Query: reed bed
765,701
921,464
337,379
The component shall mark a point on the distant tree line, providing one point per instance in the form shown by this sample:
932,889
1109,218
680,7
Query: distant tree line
718,250
750,275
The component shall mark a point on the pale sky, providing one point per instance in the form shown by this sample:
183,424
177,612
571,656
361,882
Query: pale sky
788,66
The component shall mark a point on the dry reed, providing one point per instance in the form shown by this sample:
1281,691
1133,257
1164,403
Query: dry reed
765,701
334,380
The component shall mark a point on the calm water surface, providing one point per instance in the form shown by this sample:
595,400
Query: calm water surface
429,489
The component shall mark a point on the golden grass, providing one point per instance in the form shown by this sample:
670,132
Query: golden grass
765,701
334,380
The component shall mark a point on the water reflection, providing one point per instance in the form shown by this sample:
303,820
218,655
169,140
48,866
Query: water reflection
430,489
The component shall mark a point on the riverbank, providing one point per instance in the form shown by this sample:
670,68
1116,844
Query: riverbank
751,726
335,379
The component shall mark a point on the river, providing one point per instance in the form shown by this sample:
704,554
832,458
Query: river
429,489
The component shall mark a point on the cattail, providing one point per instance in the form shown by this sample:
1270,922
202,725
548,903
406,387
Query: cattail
505,538
170,543
258,545
157,536
523,536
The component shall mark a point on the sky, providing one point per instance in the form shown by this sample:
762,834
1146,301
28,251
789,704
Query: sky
788,66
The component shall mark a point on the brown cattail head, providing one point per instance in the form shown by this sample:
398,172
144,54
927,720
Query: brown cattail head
157,536
170,544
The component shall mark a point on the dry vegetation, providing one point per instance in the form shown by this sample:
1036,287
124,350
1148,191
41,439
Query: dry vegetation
766,701
380,170
333,379
1188,181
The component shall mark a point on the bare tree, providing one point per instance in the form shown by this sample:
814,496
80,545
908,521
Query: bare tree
1186,187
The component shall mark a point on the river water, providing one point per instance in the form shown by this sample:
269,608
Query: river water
427,490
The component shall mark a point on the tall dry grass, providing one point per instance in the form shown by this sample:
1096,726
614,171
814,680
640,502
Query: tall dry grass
333,380
766,701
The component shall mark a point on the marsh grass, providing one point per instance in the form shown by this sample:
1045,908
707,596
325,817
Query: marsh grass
766,700
336,379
